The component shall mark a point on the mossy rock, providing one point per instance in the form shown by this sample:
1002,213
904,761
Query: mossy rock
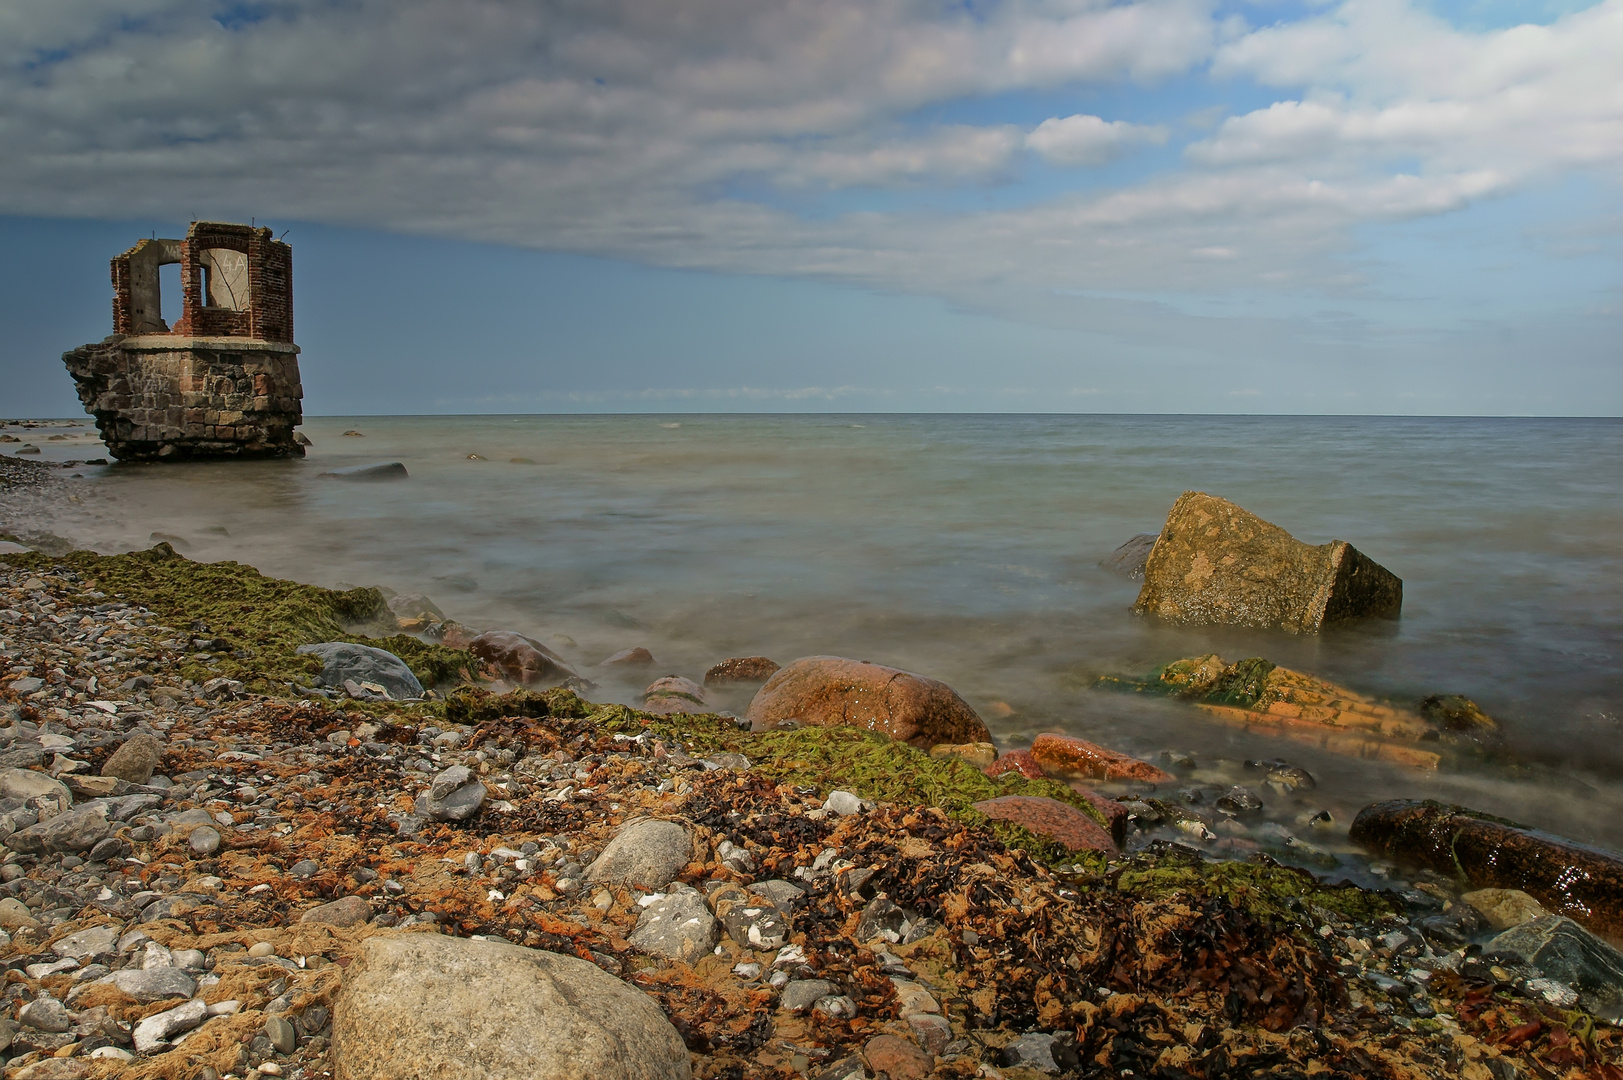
1278,893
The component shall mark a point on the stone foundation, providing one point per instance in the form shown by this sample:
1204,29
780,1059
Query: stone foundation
166,397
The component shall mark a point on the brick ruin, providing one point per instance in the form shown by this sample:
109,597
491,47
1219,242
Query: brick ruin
224,380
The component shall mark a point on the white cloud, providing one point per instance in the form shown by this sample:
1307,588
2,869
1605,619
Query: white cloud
1090,140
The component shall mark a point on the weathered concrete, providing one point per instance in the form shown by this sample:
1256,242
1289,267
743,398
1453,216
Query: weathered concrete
224,380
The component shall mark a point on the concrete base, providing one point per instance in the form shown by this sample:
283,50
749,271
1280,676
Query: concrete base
163,397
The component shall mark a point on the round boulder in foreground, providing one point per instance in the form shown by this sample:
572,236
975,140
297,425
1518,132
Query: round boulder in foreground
428,1006
831,691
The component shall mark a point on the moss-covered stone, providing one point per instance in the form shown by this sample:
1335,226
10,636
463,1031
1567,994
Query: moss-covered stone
1278,893
264,617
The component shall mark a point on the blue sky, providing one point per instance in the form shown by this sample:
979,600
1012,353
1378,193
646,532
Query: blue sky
1377,206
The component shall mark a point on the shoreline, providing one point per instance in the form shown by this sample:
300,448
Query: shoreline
1155,959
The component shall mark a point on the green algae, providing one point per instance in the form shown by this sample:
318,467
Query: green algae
262,620
1278,893
1201,678
476,705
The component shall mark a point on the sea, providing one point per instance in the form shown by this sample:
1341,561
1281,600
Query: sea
969,548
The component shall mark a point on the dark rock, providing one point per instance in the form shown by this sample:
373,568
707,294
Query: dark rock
344,660
520,659
1564,951
1240,800
383,470
1128,560
741,669
1218,564
830,691
1568,878
1460,716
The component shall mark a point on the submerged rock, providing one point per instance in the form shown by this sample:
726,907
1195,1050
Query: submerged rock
383,470
1504,908
431,1005
630,658
1128,560
741,669
520,659
346,661
1568,878
831,691
1216,563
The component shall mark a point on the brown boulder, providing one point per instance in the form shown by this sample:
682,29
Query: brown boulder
630,658
1018,760
1066,757
674,694
895,1057
1218,564
1060,822
831,691
1581,882
136,759
520,659
741,669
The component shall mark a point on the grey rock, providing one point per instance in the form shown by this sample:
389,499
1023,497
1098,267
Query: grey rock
22,755
136,759
197,816
433,1005
781,893
76,830
86,943
843,803
204,840
45,1013
415,607
1031,1051
153,984
26,685
455,795
343,660
1564,951
222,689
281,1035
41,793
348,911
1128,560
756,923
383,470
801,994
169,907
677,925
645,853
155,1030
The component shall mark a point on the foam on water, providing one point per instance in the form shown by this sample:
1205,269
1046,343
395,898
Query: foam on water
967,548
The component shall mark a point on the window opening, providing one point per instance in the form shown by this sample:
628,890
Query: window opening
171,297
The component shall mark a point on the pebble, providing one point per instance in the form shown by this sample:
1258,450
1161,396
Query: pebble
281,1034
204,840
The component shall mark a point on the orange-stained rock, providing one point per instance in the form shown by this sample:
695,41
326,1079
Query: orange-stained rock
1114,813
897,1058
520,659
1066,757
741,669
1019,760
1058,821
831,691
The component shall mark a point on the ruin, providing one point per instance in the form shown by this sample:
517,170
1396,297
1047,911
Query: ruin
224,380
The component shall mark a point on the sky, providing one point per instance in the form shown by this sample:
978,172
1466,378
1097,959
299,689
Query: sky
1375,206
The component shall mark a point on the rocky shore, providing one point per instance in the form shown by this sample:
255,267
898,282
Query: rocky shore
227,857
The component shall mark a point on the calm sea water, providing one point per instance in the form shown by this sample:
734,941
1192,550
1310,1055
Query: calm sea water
967,548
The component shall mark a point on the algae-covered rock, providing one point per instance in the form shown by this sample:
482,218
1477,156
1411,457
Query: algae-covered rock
674,694
1217,564
1486,852
831,691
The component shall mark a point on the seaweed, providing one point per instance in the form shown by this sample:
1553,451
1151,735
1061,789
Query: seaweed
1272,892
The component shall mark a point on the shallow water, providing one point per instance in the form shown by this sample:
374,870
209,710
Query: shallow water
967,548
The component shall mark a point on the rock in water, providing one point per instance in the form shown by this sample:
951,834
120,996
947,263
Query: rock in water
1128,560
1069,758
741,669
1504,908
520,659
385,470
831,691
427,1005
343,660
1567,877
630,658
136,759
1218,564
1566,952
674,694
644,853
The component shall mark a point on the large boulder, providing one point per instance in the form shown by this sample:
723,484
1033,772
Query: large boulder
1568,878
831,691
427,1005
520,659
1218,564
346,661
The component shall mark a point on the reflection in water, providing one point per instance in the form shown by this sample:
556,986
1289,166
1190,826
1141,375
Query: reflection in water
967,548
